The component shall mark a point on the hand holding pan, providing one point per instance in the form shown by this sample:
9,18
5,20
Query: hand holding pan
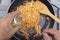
44,10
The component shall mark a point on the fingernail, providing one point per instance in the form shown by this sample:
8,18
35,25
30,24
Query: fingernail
44,30
44,34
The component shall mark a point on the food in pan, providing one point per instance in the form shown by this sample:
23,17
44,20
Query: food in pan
30,16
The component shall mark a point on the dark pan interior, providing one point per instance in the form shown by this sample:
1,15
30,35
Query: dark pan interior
44,23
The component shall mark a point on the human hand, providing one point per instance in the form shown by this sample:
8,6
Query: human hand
53,32
6,30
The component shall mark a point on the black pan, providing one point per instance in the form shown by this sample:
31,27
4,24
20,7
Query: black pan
45,23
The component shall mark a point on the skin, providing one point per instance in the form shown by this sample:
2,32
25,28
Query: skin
6,30
53,32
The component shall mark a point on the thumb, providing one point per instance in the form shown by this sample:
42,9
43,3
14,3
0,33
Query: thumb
46,36
13,31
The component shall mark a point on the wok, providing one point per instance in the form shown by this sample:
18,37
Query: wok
45,23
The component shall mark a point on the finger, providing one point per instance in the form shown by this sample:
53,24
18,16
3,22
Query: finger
13,31
51,31
46,36
9,17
